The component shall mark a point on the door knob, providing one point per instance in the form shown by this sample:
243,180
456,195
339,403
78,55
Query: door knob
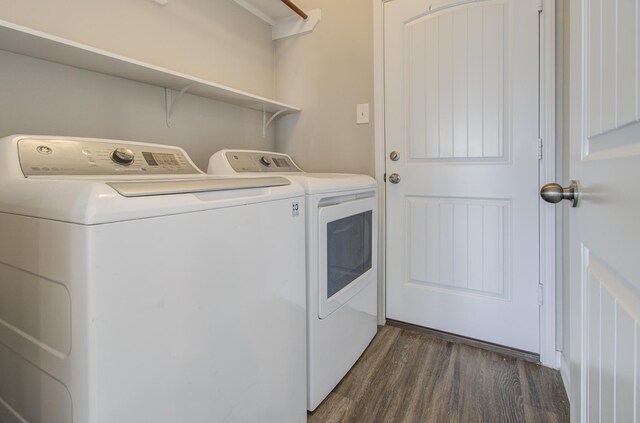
554,193
394,178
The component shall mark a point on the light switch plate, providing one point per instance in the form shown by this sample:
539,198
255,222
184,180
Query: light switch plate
362,114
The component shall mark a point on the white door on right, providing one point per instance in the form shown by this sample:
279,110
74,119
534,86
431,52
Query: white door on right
605,227
461,111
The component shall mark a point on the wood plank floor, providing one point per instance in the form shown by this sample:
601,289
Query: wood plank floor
407,376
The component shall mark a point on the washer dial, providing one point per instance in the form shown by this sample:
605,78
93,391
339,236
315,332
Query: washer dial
123,156
265,161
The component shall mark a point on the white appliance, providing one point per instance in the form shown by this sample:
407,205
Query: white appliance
341,262
134,288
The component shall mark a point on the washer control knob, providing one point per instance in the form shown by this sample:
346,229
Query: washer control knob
122,156
265,161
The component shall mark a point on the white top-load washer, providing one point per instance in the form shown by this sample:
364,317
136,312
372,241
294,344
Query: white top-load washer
134,288
341,261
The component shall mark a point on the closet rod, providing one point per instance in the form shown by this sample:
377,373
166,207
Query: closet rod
295,8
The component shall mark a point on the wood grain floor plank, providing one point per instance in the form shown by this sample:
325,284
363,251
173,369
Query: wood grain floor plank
426,374
470,383
504,394
338,409
364,370
537,381
533,414
384,393
408,376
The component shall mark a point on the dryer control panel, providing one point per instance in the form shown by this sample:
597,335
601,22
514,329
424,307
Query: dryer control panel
260,161
63,157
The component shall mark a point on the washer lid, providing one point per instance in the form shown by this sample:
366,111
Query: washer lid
66,193
147,188
94,201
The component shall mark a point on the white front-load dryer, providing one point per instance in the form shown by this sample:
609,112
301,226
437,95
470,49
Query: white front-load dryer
341,251
135,288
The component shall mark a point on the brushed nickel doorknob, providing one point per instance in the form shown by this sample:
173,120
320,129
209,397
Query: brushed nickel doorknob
394,178
554,193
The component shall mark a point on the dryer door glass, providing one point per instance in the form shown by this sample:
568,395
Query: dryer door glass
349,250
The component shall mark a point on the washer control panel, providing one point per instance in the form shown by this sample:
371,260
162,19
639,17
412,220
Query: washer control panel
48,157
260,161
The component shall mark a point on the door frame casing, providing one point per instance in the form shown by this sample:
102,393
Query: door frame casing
548,229
547,172
379,150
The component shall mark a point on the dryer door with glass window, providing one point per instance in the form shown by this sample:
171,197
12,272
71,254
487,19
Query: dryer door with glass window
346,252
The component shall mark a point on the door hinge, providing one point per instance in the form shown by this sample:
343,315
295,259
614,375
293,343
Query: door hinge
540,292
539,148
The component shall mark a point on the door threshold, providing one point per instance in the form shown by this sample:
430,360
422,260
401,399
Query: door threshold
457,339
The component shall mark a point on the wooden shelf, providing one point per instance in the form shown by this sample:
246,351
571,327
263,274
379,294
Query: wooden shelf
29,42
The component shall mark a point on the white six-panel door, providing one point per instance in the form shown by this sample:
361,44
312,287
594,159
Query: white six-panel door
604,350
461,110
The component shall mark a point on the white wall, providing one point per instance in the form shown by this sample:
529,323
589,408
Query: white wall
213,39
327,73
216,40
39,97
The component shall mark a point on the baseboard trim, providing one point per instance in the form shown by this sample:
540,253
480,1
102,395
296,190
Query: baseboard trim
457,339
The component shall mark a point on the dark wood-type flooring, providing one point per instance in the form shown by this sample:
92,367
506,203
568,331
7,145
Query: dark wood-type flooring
408,376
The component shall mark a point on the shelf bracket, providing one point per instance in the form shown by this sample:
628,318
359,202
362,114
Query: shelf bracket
292,26
170,102
266,123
